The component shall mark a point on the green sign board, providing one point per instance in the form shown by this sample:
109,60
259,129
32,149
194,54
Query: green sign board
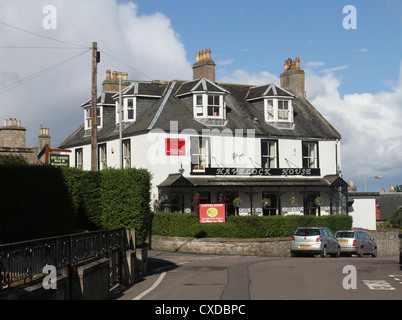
59,160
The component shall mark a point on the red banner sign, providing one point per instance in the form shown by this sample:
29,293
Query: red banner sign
212,213
175,147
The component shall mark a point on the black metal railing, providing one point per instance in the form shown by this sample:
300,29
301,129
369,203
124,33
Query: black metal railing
21,262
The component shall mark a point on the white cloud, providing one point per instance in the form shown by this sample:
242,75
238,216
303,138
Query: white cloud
146,43
243,77
368,122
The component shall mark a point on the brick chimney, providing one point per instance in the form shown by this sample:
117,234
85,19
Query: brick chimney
293,78
12,134
44,138
204,66
112,84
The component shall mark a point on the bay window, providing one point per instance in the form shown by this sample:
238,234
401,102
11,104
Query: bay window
278,110
209,106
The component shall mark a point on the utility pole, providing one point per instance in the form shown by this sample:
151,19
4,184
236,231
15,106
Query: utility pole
94,111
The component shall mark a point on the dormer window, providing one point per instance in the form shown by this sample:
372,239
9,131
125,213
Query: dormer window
129,109
128,113
278,110
205,99
88,119
209,106
277,106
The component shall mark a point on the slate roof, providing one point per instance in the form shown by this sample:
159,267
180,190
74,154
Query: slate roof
167,103
268,90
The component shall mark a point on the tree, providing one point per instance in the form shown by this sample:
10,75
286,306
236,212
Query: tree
396,219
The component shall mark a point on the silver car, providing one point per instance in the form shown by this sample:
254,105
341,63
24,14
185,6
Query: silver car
314,240
356,242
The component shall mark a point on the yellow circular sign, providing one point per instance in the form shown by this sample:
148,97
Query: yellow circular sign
212,212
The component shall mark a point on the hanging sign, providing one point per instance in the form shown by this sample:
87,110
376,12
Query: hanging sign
212,213
59,160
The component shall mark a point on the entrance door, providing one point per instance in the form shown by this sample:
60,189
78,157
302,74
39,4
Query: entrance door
273,208
228,198
310,208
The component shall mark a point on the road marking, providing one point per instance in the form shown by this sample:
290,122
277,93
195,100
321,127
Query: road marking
378,285
152,288
397,278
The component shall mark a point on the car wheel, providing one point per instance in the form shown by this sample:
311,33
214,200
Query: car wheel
360,252
337,254
323,253
374,252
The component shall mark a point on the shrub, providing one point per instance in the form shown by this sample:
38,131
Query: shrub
43,201
35,203
187,225
125,199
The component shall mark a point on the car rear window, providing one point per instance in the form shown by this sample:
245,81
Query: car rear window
345,235
307,232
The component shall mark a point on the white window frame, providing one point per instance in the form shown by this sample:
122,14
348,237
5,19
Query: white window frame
79,158
201,154
202,111
126,153
272,154
311,156
125,109
273,110
88,119
102,156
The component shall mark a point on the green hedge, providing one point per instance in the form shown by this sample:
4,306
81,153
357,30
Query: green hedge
34,203
42,201
125,199
187,225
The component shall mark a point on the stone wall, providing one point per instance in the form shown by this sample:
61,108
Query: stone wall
270,247
387,242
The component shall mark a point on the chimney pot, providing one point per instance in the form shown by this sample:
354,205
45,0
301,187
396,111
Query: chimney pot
204,67
108,74
114,75
293,78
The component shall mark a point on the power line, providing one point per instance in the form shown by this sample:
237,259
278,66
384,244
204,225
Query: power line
42,36
32,47
38,74
126,65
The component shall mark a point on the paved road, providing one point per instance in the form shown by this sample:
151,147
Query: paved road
175,276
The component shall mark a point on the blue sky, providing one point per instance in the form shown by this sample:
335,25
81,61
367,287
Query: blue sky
353,77
259,35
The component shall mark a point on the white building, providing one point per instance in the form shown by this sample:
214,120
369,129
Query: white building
221,141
